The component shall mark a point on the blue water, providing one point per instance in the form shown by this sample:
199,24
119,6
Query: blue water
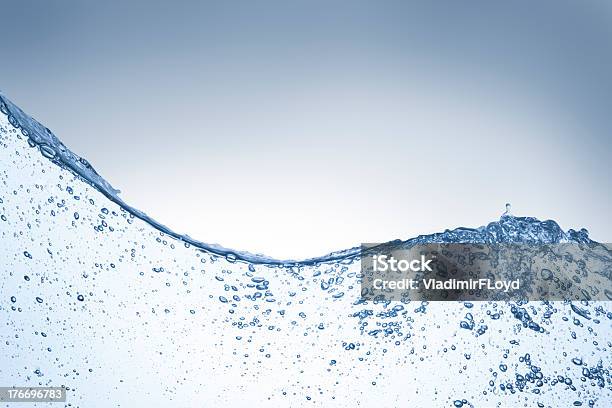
97,297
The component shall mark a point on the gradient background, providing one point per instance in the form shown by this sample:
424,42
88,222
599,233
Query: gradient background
297,128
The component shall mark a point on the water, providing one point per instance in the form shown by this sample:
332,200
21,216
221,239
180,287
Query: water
507,212
98,298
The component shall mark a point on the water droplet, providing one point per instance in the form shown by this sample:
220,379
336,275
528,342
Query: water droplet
507,212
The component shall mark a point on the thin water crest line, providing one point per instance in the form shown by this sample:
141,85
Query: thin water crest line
53,149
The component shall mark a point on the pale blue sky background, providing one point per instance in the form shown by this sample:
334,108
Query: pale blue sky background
297,128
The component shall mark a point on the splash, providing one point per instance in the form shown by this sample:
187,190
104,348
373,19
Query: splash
99,298
507,212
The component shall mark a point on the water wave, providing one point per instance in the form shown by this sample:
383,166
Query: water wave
102,300
507,229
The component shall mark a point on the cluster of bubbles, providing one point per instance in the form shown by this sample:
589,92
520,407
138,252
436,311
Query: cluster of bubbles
98,301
